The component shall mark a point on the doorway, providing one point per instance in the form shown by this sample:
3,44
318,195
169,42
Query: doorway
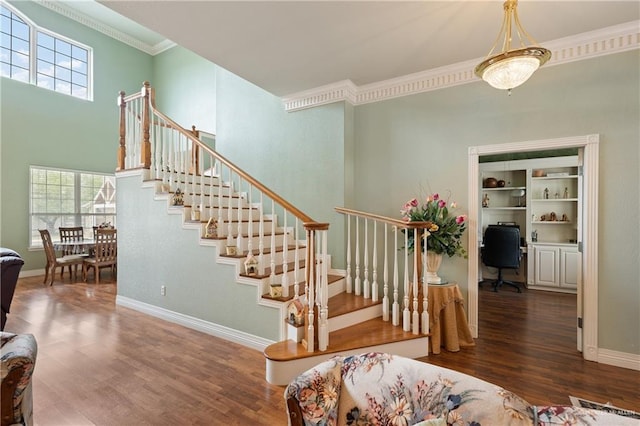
587,296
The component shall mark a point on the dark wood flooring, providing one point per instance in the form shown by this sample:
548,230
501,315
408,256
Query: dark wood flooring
100,364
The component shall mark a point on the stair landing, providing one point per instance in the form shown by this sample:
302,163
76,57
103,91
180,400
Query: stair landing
286,360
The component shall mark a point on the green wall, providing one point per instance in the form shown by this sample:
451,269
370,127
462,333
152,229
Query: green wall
418,144
45,128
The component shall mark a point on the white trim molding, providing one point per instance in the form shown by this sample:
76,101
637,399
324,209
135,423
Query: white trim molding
606,41
83,19
232,335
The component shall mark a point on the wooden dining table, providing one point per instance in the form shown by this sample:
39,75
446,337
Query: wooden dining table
76,247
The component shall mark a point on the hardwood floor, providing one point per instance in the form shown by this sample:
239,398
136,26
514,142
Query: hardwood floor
100,364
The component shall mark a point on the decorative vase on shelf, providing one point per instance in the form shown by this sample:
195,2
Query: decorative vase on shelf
433,265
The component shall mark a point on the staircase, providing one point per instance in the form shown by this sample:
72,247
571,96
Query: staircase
279,250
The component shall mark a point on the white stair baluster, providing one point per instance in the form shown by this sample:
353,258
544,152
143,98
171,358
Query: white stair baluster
240,203
323,336
358,283
374,283
385,273
416,316
250,226
296,261
274,225
349,280
230,211
406,317
261,237
285,256
425,294
396,305
220,205
366,284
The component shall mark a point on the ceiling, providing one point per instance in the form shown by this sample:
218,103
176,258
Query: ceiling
287,47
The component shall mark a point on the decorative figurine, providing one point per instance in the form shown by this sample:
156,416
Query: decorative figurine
178,198
565,218
251,265
553,217
211,230
485,200
275,290
566,193
546,193
556,196
534,236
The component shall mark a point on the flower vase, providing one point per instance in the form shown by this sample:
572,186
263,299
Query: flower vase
433,264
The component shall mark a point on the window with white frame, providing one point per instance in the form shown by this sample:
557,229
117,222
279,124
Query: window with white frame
69,198
35,55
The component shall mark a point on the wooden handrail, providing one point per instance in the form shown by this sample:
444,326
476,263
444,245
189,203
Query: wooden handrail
392,221
148,92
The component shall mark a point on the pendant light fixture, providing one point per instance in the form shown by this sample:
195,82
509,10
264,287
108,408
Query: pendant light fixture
512,66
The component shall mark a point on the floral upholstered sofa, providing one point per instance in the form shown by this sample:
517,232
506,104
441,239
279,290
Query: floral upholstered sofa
382,389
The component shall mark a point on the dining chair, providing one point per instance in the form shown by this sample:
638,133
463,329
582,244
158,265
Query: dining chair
106,254
68,235
54,262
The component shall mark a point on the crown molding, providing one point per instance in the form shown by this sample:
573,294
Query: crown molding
83,19
606,41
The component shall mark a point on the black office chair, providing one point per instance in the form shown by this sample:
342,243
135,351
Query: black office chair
502,250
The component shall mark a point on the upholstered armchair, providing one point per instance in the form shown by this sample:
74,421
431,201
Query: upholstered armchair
378,388
11,264
18,357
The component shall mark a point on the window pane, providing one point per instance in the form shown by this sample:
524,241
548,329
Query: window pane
21,46
63,60
20,74
80,67
4,11
63,87
45,81
5,21
46,40
19,29
45,54
63,47
79,53
6,41
45,68
5,55
79,91
19,59
63,74
79,79
5,71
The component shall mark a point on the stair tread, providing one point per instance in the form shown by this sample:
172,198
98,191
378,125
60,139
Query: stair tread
330,278
235,236
344,303
369,333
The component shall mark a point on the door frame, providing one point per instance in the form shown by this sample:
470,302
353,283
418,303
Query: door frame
589,237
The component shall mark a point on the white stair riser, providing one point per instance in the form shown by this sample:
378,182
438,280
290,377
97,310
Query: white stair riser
206,212
356,317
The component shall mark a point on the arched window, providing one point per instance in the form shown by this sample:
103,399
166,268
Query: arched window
35,55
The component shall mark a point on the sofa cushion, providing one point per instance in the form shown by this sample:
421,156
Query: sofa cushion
386,389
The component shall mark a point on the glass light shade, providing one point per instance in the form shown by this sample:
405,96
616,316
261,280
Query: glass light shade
510,72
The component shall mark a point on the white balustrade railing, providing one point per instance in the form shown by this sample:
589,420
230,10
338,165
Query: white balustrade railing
223,193
409,286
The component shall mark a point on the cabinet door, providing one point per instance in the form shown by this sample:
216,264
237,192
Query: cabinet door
546,269
569,268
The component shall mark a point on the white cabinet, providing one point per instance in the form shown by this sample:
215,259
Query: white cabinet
553,267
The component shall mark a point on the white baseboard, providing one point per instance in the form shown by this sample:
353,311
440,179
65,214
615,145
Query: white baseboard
619,359
240,337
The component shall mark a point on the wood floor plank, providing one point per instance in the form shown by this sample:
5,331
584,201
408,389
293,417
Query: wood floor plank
101,364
